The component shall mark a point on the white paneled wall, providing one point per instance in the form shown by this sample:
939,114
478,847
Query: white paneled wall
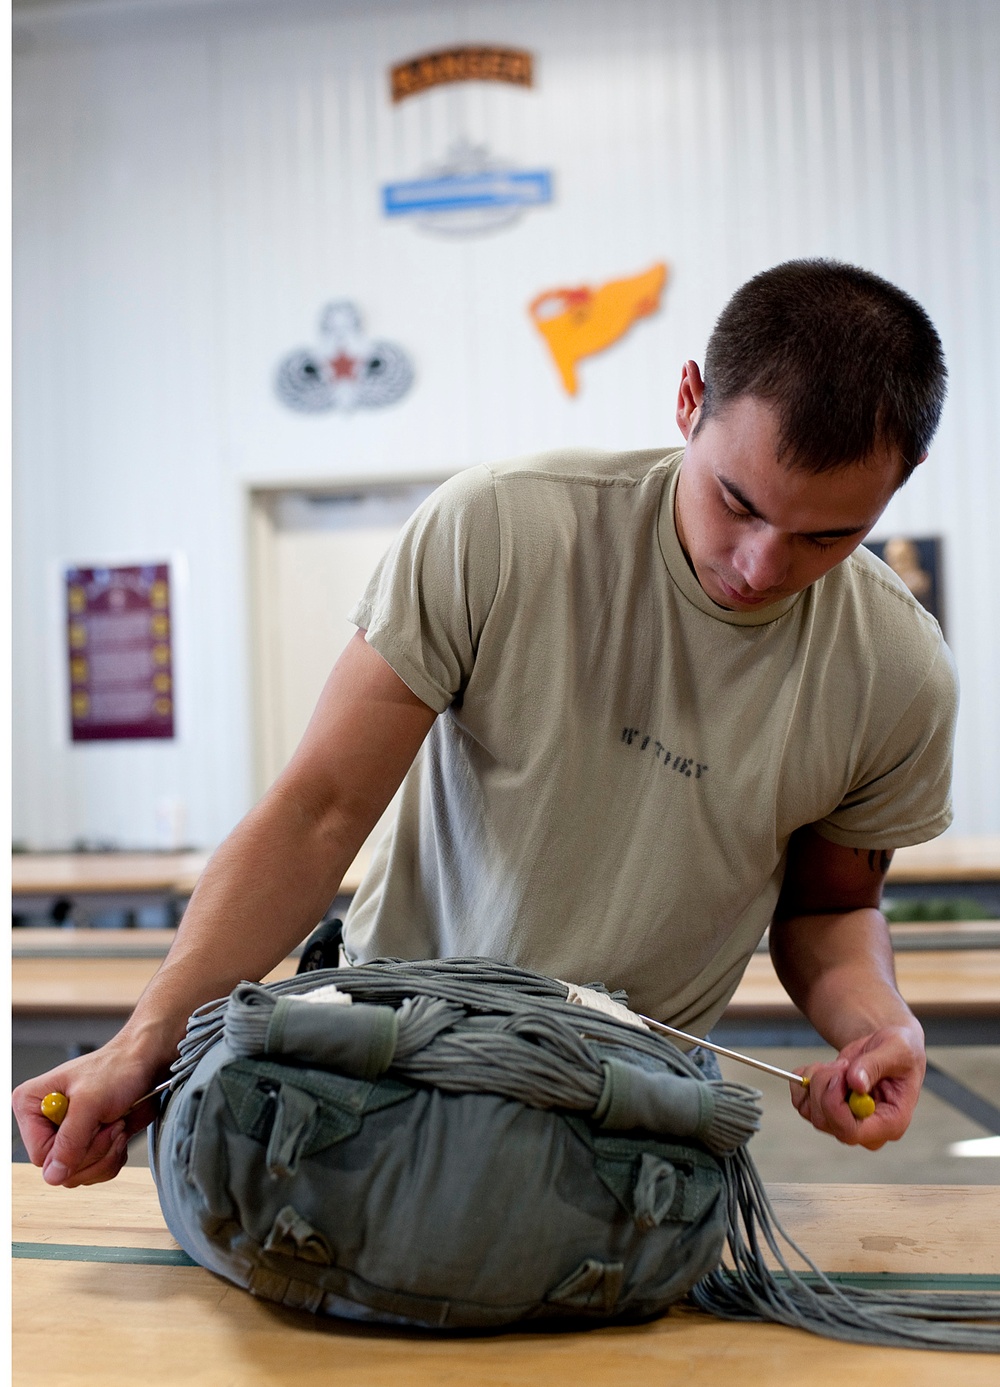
193,181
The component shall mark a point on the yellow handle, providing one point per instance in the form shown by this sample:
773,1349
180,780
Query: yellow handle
862,1105
54,1107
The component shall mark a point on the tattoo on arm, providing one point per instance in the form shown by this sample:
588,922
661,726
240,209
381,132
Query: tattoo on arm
878,861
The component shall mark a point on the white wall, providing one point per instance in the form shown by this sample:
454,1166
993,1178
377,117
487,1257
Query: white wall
193,181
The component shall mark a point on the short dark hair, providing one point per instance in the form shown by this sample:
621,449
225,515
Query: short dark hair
851,363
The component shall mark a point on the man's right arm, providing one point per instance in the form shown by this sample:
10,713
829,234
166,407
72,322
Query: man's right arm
260,895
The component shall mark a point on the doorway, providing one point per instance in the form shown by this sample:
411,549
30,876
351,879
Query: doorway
312,552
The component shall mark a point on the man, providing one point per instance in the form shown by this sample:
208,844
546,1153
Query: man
656,703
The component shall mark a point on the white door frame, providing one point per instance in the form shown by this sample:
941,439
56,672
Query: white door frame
262,509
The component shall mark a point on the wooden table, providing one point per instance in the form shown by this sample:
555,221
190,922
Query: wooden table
78,987
98,1321
104,873
948,869
948,859
97,977
82,885
95,882
105,881
65,941
937,984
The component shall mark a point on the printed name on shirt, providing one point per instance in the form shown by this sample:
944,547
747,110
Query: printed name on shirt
645,741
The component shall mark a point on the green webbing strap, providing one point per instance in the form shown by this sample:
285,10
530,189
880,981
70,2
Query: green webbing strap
904,1280
84,1252
174,1257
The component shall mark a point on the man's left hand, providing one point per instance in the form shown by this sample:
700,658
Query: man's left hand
889,1064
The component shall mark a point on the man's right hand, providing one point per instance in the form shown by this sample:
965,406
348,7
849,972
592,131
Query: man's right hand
91,1143
260,895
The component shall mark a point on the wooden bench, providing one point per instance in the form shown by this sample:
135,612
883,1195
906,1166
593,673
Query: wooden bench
956,989
127,880
77,987
951,868
102,1294
948,859
83,984
86,884
90,883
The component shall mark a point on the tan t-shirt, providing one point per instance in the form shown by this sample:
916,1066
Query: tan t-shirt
620,763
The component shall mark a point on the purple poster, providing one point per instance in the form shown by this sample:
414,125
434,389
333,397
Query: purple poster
121,668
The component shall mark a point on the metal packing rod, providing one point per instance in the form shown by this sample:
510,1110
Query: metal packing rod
160,1088
721,1050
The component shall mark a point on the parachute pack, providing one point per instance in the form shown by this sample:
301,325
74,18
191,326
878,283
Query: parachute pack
460,1144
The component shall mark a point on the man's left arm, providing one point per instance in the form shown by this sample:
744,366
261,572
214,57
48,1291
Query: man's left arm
831,949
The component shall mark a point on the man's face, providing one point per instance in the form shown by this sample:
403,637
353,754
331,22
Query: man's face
754,530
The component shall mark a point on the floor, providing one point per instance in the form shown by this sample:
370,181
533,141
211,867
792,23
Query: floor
787,1148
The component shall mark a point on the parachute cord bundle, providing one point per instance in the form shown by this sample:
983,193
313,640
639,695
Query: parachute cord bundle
477,1025
533,1054
753,1290
473,984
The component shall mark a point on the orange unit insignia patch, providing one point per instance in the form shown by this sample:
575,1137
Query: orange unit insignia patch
579,322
